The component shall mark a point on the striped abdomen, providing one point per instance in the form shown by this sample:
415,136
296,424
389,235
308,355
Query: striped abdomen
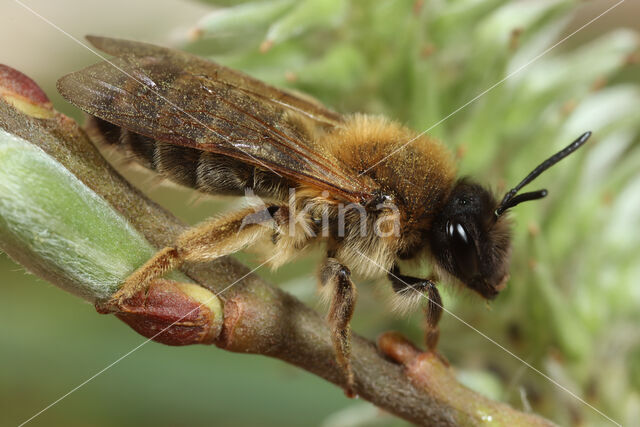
208,172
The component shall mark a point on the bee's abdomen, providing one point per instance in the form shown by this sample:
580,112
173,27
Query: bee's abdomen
208,172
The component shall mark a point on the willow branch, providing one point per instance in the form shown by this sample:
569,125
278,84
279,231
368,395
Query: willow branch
249,317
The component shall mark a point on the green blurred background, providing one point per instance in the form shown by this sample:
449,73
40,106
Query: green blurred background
571,308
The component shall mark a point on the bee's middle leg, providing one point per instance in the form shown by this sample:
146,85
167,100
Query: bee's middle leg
434,308
205,242
343,299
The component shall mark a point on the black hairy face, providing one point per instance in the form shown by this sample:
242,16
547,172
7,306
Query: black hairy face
469,242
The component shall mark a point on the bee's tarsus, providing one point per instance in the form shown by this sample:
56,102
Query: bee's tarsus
163,261
343,299
433,313
433,309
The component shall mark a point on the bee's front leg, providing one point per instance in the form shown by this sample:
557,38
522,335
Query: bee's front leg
337,279
205,242
402,284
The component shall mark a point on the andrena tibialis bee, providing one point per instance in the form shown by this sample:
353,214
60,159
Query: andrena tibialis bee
327,179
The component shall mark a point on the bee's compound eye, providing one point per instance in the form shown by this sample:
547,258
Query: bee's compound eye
462,247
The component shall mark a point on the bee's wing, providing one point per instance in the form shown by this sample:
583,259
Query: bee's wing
181,99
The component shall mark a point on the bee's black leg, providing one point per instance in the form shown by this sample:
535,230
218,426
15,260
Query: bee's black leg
402,284
337,279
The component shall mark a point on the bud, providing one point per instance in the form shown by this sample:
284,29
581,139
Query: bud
174,313
24,94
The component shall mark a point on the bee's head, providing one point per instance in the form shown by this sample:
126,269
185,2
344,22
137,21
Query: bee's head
470,237
469,242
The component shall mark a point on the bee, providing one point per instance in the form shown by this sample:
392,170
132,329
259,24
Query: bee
351,184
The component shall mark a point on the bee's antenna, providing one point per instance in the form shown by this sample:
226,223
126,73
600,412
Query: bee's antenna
512,198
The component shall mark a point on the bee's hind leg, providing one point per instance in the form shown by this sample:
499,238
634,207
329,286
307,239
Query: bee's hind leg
205,242
402,284
337,279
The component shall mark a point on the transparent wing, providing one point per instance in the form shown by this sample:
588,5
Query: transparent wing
182,99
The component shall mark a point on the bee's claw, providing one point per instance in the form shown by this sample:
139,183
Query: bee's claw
343,297
440,357
350,392
115,303
112,305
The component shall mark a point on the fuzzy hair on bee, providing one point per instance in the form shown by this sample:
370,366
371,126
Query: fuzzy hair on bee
368,191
